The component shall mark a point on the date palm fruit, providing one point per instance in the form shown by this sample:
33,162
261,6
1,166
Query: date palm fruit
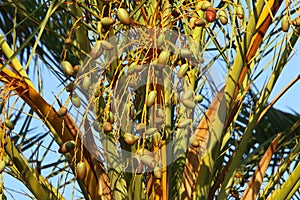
93,86
123,16
210,14
296,22
188,103
9,124
67,146
160,40
150,131
81,170
240,12
140,127
192,23
182,123
199,98
157,172
182,70
67,68
133,67
76,69
285,25
129,139
106,45
70,87
156,137
201,60
151,98
107,21
160,113
86,83
143,151
199,22
68,41
188,94
156,65
175,12
223,17
148,160
2,166
96,50
205,5
62,111
107,127
185,53
159,120
76,101
195,142
163,58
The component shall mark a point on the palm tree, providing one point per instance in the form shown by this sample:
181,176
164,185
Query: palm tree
147,100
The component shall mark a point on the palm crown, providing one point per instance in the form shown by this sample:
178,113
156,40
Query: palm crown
147,99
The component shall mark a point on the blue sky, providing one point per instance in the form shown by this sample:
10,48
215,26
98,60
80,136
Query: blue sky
288,102
291,99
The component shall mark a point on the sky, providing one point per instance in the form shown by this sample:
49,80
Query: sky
289,102
291,99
